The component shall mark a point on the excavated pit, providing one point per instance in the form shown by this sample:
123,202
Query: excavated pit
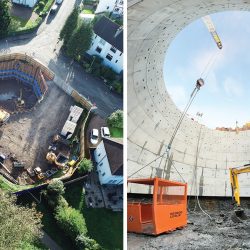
11,90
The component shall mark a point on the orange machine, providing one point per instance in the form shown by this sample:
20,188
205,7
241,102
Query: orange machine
163,211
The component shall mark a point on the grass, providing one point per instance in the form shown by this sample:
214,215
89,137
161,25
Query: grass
105,226
87,11
116,132
18,24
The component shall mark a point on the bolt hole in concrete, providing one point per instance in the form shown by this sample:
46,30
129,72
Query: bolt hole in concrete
194,53
12,91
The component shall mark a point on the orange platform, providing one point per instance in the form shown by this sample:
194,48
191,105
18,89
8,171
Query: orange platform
163,211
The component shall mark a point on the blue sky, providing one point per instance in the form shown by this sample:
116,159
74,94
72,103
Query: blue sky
225,98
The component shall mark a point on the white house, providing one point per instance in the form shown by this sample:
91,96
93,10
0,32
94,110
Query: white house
108,43
114,6
28,3
109,159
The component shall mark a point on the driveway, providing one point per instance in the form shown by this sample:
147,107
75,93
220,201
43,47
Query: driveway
95,122
45,47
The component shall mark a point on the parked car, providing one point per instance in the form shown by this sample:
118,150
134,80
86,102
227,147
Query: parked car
105,132
54,9
59,1
94,136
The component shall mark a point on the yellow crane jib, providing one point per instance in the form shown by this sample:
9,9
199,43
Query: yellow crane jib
234,172
211,28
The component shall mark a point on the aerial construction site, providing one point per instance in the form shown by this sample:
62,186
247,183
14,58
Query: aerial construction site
187,184
37,119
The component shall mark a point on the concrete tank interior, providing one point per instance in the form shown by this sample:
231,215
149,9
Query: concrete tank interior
201,155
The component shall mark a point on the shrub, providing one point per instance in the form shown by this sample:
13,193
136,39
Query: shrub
41,5
115,120
71,221
85,165
118,87
84,242
108,73
55,188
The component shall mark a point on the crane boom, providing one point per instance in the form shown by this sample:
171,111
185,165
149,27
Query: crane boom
211,28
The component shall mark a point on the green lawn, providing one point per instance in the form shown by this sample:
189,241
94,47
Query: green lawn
116,132
19,24
87,11
105,226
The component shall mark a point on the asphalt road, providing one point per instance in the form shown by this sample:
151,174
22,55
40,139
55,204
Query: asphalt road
45,47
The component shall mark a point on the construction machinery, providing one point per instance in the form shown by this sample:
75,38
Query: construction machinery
4,116
234,172
211,28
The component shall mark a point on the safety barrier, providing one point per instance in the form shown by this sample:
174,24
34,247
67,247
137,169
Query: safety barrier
27,70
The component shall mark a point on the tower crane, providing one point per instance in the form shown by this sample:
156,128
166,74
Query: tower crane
211,28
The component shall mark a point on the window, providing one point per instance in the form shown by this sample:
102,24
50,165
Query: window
121,54
101,164
103,173
116,61
98,49
102,41
113,49
99,154
109,57
107,7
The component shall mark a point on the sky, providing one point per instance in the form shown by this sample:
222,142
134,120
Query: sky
225,97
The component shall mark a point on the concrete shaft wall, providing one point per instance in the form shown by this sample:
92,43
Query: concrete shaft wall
202,156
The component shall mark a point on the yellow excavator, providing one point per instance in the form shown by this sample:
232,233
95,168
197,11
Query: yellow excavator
234,172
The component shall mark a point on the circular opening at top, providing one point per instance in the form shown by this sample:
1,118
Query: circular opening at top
223,102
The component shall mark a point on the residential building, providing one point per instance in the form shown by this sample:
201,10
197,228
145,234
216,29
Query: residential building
108,43
113,6
28,3
109,162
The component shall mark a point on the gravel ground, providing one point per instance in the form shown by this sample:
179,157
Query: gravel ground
201,234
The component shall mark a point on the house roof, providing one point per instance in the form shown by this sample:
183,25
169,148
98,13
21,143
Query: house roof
110,32
114,153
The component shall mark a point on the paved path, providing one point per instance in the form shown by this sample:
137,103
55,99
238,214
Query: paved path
48,242
45,47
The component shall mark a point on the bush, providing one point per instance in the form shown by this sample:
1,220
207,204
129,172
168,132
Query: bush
55,188
118,87
115,120
41,5
71,221
108,73
84,242
85,165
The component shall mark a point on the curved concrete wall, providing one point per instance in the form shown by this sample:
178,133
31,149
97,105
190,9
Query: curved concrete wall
201,155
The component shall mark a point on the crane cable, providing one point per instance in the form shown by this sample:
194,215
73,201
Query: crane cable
207,68
175,131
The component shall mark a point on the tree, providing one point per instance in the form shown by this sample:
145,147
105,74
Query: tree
18,224
69,26
71,221
54,193
85,165
84,242
115,120
55,188
80,41
4,17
